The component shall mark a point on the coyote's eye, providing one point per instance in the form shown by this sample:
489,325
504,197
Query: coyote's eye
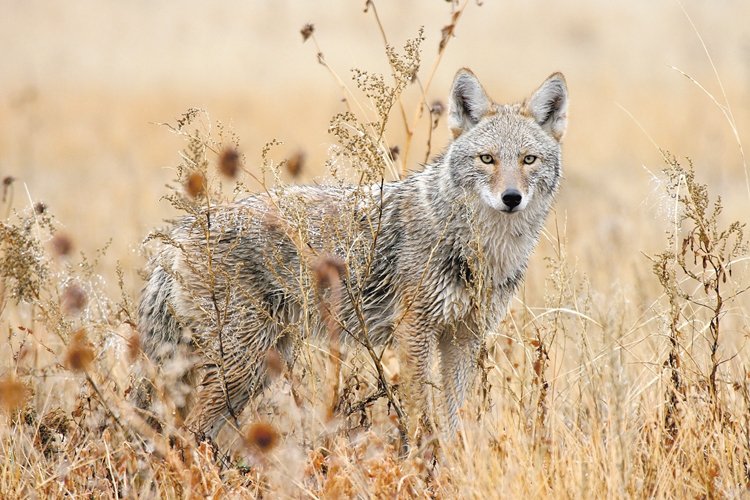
488,159
529,159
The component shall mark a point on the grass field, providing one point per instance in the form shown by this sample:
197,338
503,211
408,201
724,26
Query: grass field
621,369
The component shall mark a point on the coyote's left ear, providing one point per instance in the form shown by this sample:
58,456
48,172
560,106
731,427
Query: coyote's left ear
549,106
468,102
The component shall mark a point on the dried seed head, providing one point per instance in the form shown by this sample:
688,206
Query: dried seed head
40,207
73,299
7,182
195,186
229,163
437,108
296,163
61,244
13,393
307,31
262,436
394,152
80,354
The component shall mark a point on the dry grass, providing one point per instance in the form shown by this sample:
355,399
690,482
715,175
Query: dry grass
621,369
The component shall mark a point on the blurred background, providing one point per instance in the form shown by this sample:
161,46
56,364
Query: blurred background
83,84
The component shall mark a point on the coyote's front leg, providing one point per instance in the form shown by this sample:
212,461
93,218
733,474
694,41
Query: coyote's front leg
416,340
459,350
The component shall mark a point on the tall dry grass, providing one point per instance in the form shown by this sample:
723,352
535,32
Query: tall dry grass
620,370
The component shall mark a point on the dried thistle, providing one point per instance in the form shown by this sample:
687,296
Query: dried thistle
195,185
437,108
80,353
296,163
13,393
262,436
229,162
73,299
7,183
61,244
307,31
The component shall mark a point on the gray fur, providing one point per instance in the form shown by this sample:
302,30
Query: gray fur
448,259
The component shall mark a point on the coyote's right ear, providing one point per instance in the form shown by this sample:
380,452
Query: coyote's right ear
549,106
468,102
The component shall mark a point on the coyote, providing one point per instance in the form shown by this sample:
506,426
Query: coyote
447,247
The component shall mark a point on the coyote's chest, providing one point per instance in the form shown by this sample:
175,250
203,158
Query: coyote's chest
480,288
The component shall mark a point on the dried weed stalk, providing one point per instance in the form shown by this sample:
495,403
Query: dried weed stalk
695,273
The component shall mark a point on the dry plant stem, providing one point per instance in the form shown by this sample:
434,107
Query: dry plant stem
543,345
8,197
696,234
419,111
356,300
217,311
102,400
726,109
335,360
198,165
431,125
179,131
424,89
370,6
334,334
321,60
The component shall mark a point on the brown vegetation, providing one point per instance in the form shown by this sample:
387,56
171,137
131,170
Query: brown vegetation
620,371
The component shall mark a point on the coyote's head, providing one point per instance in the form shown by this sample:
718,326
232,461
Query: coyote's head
506,154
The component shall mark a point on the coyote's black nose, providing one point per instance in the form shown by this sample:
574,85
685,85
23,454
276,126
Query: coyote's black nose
512,198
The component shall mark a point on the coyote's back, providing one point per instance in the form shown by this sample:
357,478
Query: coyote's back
429,262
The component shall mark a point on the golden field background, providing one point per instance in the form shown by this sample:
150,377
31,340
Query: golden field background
83,86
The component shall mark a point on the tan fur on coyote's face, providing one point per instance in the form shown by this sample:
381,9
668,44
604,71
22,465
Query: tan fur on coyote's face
506,153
